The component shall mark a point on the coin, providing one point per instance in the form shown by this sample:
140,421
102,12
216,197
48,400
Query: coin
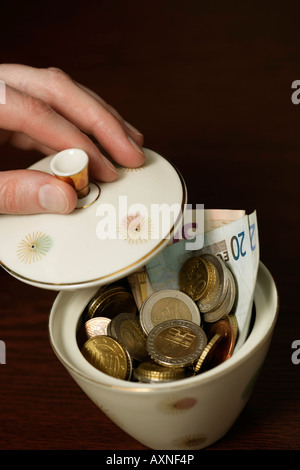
225,329
101,293
149,372
96,326
231,317
168,304
217,291
126,328
215,315
108,356
195,277
206,360
111,302
227,304
176,343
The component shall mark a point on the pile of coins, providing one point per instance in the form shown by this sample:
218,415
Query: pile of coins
208,281
174,334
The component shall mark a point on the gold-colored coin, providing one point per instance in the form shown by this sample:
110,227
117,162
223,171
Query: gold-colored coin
111,302
216,293
97,299
149,371
176,343
226,306
206,360
231,317
108,356
212,292
168,304
140,286
195,277
126,328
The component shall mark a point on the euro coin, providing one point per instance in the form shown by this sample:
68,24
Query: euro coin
226,346
126,328
195,277
111,302
96,326
151,372
168,304
231,317
206,360
227,304
100,295
108,356
216,293
176,343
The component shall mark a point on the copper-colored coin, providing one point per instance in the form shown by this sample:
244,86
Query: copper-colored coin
96,326
195,277
108,356
225,329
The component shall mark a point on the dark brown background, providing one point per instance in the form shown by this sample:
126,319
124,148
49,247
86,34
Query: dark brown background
209,85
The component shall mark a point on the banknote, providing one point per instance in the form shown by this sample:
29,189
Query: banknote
140,285
236,242
197,221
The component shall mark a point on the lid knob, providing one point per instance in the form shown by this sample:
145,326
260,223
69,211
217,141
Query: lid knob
71,166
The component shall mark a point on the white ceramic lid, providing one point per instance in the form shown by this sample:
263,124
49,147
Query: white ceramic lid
114,231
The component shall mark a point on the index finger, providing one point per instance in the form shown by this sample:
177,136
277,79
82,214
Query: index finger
36,119
83,109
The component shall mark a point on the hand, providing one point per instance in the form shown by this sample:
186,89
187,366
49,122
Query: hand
46,110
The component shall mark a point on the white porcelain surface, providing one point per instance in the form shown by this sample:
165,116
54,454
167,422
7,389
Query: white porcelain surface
187,414
61,252
69,162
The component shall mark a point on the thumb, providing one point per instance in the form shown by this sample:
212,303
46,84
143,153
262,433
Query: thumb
32,192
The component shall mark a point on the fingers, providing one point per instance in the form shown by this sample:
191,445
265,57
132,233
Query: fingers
131,130
32,192
37,120
22,141
81,107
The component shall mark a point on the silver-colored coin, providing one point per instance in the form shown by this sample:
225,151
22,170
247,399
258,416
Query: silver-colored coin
96,326
176,343
217,292
126,328
168,304
227,304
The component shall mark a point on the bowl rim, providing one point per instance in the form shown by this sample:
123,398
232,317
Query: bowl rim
126,386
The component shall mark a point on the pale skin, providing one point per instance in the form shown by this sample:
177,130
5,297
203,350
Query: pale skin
46,110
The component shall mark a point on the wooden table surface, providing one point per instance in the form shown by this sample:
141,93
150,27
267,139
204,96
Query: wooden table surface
210,88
